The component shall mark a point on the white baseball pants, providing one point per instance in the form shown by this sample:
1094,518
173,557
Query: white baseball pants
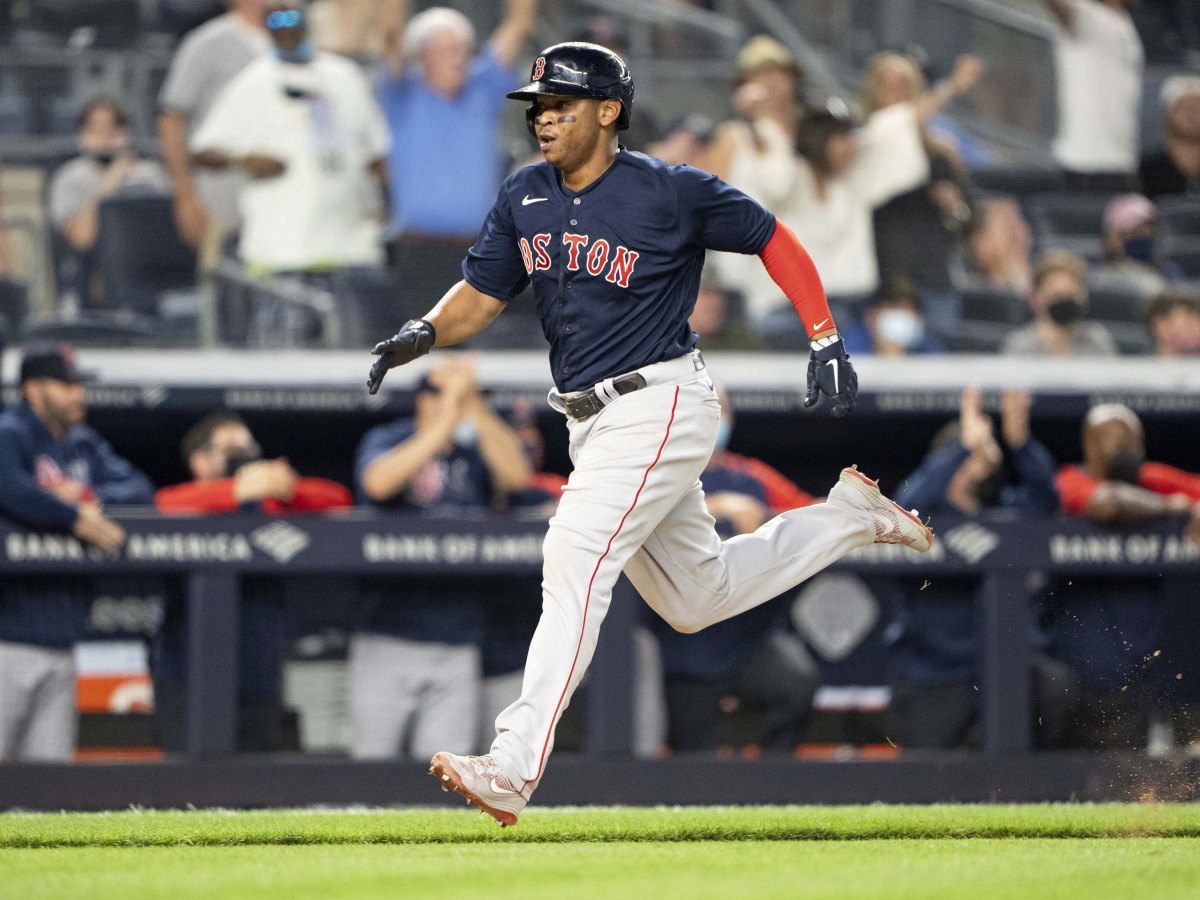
420,693
38,710
634,503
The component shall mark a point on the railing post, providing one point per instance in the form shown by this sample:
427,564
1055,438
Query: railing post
611,676
212,627
1004,663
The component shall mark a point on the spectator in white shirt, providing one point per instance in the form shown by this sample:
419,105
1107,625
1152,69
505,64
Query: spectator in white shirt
304,125
825,189
1099,63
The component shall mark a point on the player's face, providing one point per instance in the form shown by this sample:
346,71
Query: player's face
59,403
568,130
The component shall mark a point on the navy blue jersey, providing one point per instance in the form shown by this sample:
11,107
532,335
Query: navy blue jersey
51,611
458,479
615,268
440,608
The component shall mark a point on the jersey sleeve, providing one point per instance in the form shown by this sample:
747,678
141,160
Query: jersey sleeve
493,265
197,497
1075,489
718,216
1164,479
377,442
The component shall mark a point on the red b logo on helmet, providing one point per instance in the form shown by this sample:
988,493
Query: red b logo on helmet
539,68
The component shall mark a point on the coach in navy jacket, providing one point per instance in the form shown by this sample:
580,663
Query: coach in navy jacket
55,474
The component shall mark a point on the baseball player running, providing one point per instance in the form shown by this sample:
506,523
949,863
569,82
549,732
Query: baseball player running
613,243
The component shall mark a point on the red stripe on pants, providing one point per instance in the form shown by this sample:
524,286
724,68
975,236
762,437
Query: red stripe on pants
588,596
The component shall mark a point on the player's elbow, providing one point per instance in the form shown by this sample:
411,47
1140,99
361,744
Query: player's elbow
377,486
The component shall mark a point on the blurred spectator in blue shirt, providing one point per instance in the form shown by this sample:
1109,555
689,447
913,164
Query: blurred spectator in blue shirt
893,325
443,109
935,639
414,648
55,473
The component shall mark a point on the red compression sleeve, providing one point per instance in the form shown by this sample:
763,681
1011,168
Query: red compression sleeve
790,267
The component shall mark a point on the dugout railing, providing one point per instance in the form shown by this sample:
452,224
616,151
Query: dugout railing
213,552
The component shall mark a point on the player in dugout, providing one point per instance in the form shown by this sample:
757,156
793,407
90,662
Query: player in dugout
1109,627
55,474
613,243
229,474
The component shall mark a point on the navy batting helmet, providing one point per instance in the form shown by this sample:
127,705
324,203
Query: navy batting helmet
578,69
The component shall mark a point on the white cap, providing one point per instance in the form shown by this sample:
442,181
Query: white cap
1114,412
1177,87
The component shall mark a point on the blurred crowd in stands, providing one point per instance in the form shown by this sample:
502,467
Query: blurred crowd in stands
352,148
431,659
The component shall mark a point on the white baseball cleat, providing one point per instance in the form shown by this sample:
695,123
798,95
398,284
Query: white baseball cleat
480,780
893,525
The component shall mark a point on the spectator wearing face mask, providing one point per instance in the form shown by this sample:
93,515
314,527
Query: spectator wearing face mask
935,638
415,658
1174,168
1059,303
229,474
303,124
893,325
1173,319
1108,628
106,166
1131,247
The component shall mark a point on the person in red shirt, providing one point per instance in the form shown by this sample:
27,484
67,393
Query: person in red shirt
1116,484
229,474
1126,636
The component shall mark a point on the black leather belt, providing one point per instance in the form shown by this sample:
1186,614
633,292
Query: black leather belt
586,404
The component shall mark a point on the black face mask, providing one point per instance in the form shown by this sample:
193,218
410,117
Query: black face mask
104,157
235,461
1064,309
1125,466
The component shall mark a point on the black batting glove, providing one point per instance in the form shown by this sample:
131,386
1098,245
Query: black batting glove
413,340
830,373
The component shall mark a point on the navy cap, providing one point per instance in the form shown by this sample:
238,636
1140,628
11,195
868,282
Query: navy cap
55,361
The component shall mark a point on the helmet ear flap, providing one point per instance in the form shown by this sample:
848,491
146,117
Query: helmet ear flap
531,113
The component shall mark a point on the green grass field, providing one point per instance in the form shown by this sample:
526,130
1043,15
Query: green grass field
894,852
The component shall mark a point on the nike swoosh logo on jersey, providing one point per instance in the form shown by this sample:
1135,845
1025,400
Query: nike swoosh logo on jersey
833,362
817,327
529,200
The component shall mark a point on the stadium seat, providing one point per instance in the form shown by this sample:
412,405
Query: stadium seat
139,254
977,337
1070,221
1188,259
1181,231
980,304
94,329
1115,305
116,23
1018,181
1132,340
